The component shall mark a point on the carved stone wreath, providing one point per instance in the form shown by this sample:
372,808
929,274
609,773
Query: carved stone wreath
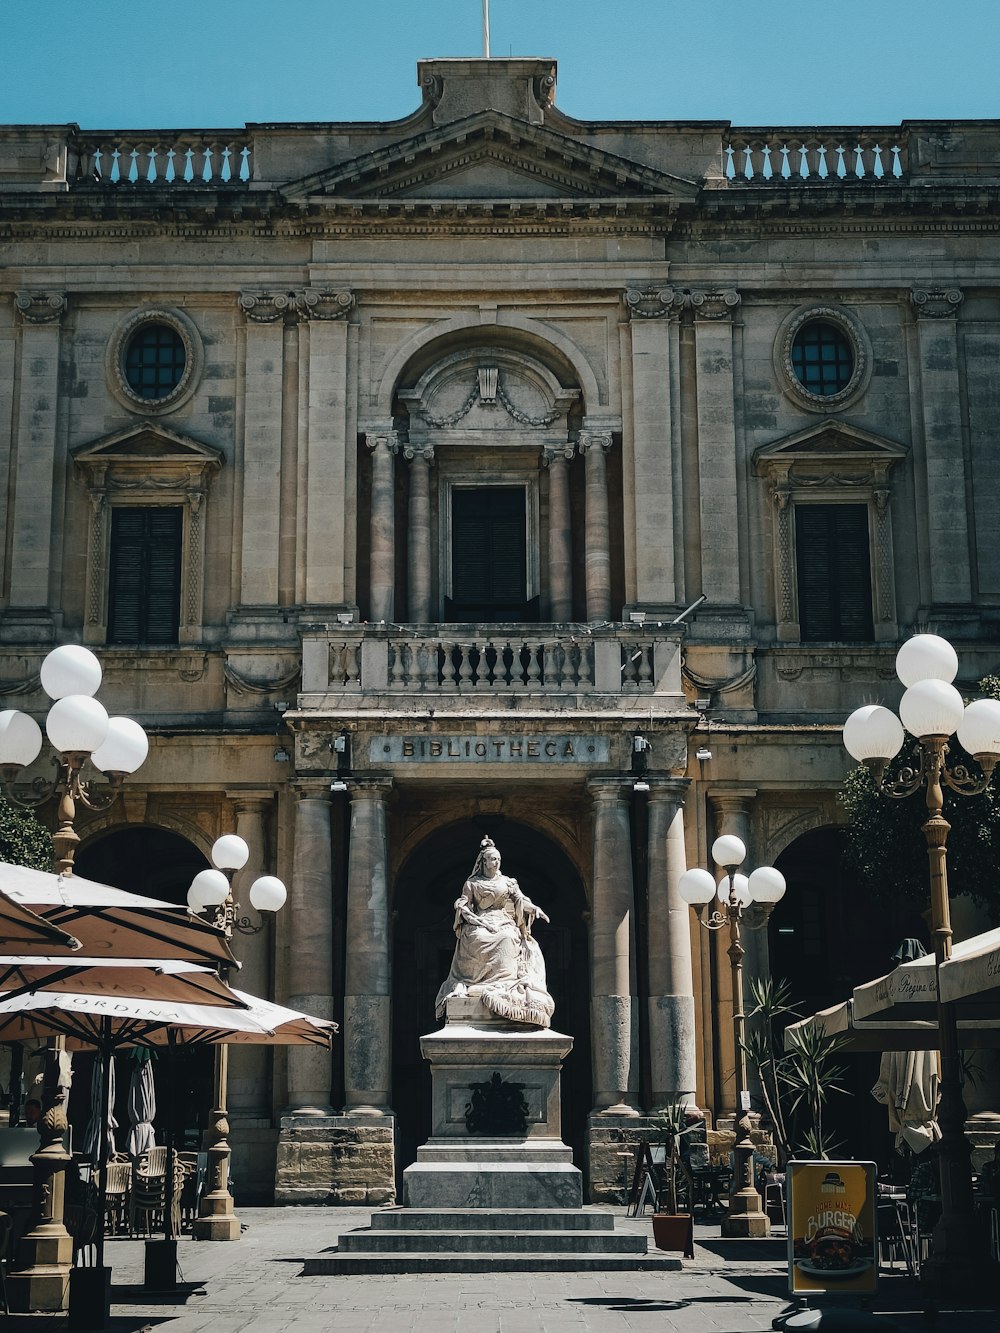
476,395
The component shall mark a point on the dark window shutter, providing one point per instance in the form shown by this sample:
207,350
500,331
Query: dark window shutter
834,573
145,585
489,553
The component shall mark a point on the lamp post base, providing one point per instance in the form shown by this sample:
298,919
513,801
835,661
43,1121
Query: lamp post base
745,1218
217,1225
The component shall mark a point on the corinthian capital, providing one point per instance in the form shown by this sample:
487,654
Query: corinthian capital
40,307
387,439
936,302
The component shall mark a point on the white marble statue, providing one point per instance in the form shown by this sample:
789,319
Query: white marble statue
496,960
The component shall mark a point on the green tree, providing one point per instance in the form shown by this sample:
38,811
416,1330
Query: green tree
23,840
885,849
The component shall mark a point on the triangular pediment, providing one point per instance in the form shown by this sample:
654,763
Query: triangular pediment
490,156
148,443
828,442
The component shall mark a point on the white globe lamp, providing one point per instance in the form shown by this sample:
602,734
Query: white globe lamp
124,748
979,730
210,887
767,885
873,732
926,657
230,852
268,894
729,850
70,669
931,708
77,724
20,739
696,887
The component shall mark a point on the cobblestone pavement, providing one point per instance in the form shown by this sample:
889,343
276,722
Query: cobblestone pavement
254,1286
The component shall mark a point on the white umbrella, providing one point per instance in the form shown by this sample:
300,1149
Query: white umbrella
908,1086
92,1138
141,1105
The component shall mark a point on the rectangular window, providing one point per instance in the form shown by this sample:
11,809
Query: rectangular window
489,571
145,589
833,563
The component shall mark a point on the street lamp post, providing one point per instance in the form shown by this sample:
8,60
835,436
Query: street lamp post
79,730
932,711
745,1215
211,891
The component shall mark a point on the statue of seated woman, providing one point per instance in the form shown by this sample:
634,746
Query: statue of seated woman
496,960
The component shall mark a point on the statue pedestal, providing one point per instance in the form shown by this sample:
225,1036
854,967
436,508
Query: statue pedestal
509,1152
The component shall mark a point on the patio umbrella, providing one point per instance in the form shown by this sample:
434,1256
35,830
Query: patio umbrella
890,1034
109,1023
908,1086
168,979
910,991
141,1104
98,1100
21,928
112,922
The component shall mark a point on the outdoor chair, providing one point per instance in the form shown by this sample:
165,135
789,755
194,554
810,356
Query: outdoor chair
116,1195
190,1187
5,1233
81,1223
146,1200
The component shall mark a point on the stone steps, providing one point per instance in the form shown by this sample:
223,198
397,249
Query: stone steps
490,1219
455,1240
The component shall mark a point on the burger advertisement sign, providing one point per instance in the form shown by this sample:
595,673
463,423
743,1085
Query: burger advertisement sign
832,1245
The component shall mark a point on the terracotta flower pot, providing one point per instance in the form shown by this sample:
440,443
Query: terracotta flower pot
674,1231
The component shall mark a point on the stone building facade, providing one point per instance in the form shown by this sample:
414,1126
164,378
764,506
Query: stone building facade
380,463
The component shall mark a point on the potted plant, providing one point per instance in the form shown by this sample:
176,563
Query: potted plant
673,1229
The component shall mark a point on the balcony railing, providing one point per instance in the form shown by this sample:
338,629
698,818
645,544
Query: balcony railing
221,157
834,156
491,660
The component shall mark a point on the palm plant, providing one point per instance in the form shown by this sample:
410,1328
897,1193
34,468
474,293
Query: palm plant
797,1082
675,1126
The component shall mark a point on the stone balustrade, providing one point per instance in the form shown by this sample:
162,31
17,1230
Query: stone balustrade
220,157
785,157
491,660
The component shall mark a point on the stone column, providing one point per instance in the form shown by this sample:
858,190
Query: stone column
652,328
731,813
717,465
418,537
671,985
612,953
35,443
594,445
310,931
266,314
367,1032
329,437
941,403
384,446
249,1093
560,543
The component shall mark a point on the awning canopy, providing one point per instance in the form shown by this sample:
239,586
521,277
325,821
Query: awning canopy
971,977
858,1035
168,979
22,929
910,991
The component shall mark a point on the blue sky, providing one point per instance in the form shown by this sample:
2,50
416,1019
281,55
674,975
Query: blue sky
190,63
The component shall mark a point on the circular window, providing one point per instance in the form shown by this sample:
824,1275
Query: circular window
154,360
822,358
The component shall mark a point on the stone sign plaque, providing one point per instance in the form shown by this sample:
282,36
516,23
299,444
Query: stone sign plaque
525,749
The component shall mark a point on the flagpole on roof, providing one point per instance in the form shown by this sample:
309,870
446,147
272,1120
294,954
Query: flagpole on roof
486,29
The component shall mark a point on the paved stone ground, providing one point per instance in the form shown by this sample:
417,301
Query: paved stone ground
254,1286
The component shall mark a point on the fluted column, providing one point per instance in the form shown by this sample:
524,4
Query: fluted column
367,1028
594,445
384,446
557,460
418,537
310,930
612,953
731,811
248,1065
671,986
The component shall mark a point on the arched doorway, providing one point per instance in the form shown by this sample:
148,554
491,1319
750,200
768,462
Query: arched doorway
827,936
423,942
155,863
